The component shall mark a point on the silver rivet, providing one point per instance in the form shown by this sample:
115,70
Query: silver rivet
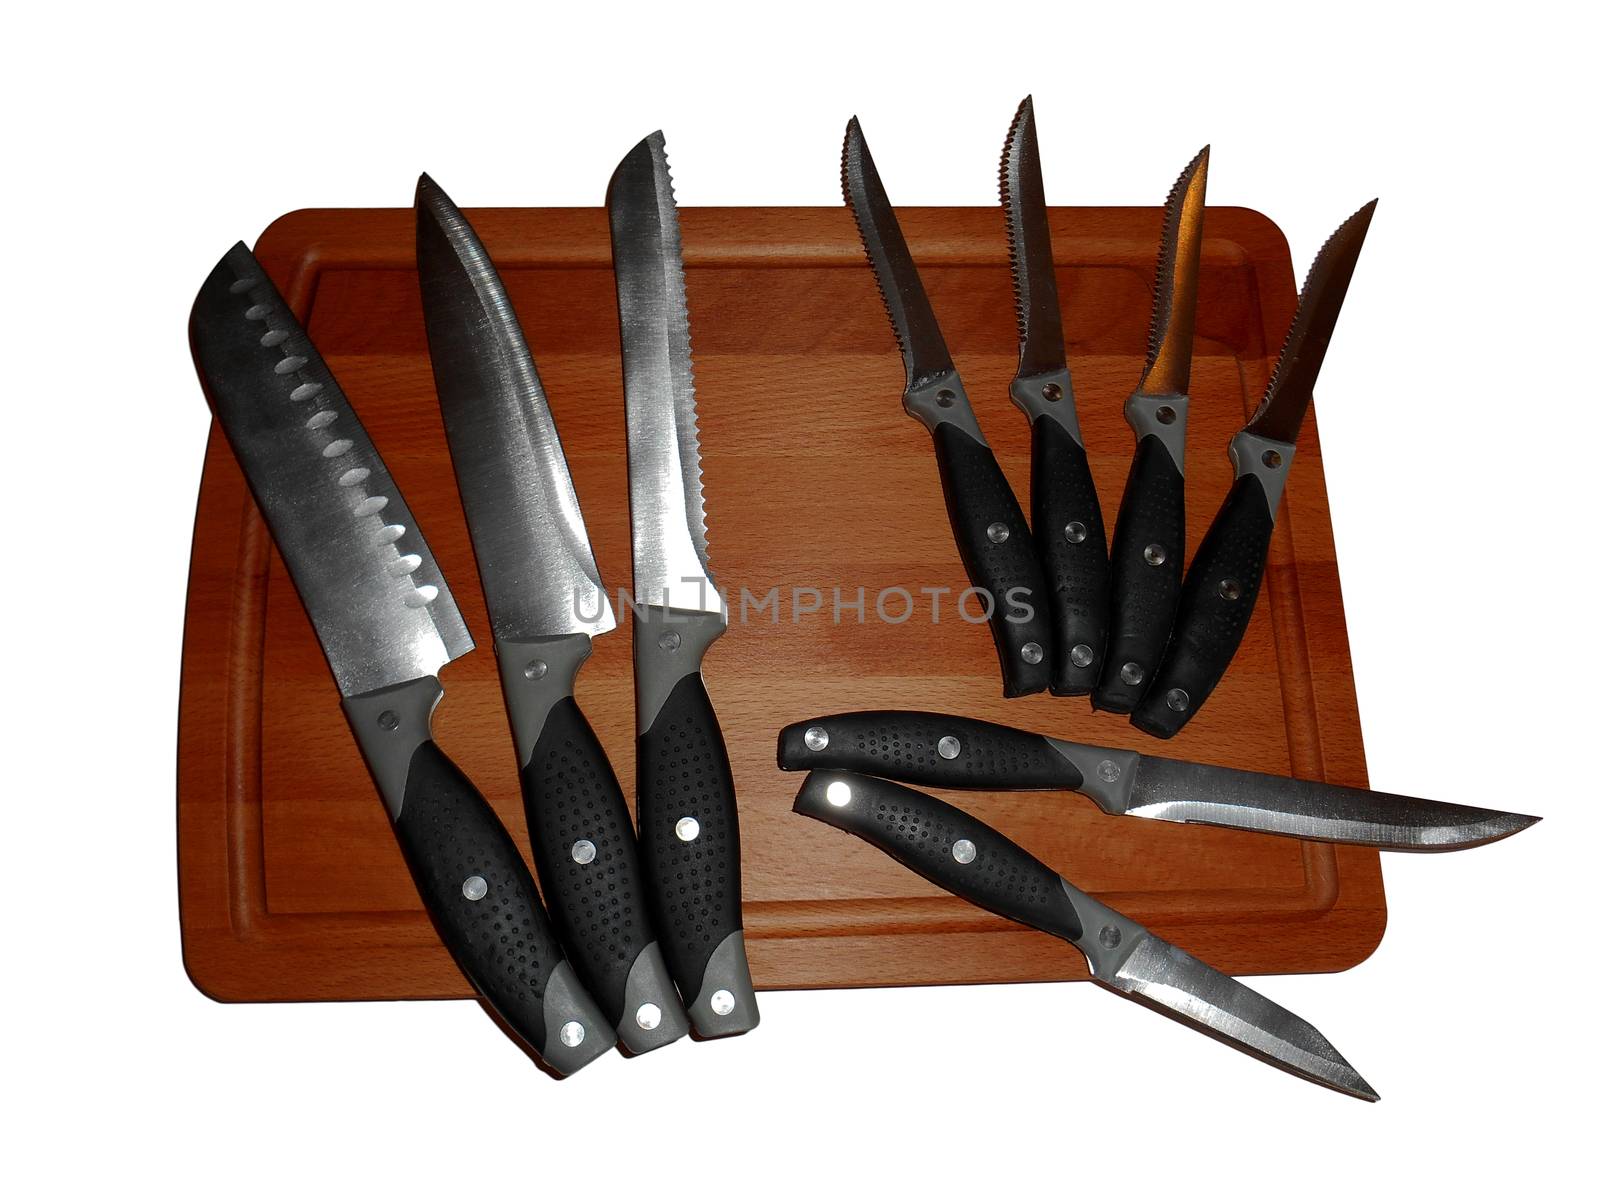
949,747
1075,532
997,532
669,640
1166,414
816,738
583,852
1229,589
258,312
474,887
945,398
722,1002
240,286
536,669
1178,700
389,719
963,851
1108,770
1032,653
1053,392
648,1016
572,1034
838,793
1110,937
1155,554
1132,673
1271,458
687,829
1082,655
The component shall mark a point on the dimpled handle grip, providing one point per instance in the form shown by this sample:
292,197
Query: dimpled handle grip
927,749
1071,538
997,551
1146,576
945,846
1219,594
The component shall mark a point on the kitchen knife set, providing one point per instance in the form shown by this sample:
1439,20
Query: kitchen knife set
643,939
1126,625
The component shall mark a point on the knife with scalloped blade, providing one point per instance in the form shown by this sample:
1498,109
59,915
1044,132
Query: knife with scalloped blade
387,624
990,532
546,603
962,855
688,818
1068,531
1220,589
1148,542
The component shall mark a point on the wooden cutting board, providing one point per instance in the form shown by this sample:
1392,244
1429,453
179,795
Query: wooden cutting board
292,886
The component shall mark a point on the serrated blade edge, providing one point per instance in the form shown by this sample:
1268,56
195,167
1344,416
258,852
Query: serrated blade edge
1041,346
1171,338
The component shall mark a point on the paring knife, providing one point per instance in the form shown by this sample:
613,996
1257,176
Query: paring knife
1067,528
995,544
1219,591
546,603
934,750
961,854
688,819
387,623
1147,544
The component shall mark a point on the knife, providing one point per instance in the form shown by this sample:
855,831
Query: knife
993,539
1067,528
1220,590
546,603
387,624
1147,544
688,819
934,750
962,855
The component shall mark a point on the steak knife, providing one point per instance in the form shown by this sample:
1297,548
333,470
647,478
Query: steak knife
993,539
387,624
933,750
1219,592
962,855
688,818
1067,527
546,604
1147,544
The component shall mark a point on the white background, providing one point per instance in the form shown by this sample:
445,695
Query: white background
1457,420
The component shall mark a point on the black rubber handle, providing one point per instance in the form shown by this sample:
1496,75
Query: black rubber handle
1071,538
1219,594
927,749
1146,576
481,897
944,845
997,551
588,861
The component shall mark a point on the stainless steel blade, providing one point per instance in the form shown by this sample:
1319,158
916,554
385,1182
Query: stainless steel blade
538,570
910,312
670,562
1042,347
376,597
1288,393
1171,341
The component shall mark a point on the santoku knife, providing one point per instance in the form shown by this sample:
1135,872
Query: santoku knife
688,819
1219,591
1148,542
387,623
934,750
991,535
961,854
1067,527
546,603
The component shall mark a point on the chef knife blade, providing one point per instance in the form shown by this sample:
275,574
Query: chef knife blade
993,539
935,750
1067,527
545,602
1220,589
962,855
387,624
688,818
1147,544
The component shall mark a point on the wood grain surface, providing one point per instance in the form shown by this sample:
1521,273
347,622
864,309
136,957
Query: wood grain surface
292,886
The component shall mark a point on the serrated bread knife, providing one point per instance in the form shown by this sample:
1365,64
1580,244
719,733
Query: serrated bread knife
935,750
688,819
546,603
387,624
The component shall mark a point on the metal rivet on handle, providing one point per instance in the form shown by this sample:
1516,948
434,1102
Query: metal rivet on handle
669,640
1032,653
963,851
1178,700
945,398
1229,589
572,1034
583,852
1155,554
949,747
474,887
1075,532
1132,673
389,719
816,738
838,793
1271,458
240,286
1108,770
687,829
1110,937
1053,392
536,669
648,1016
1082,655
1166,414
722,1002
997,532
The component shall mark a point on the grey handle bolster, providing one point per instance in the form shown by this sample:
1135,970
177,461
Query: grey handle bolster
1268,460
389,725
1109,938
668,643
1108,774
943,401
536,674
726,1004
1048,397
1165,418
